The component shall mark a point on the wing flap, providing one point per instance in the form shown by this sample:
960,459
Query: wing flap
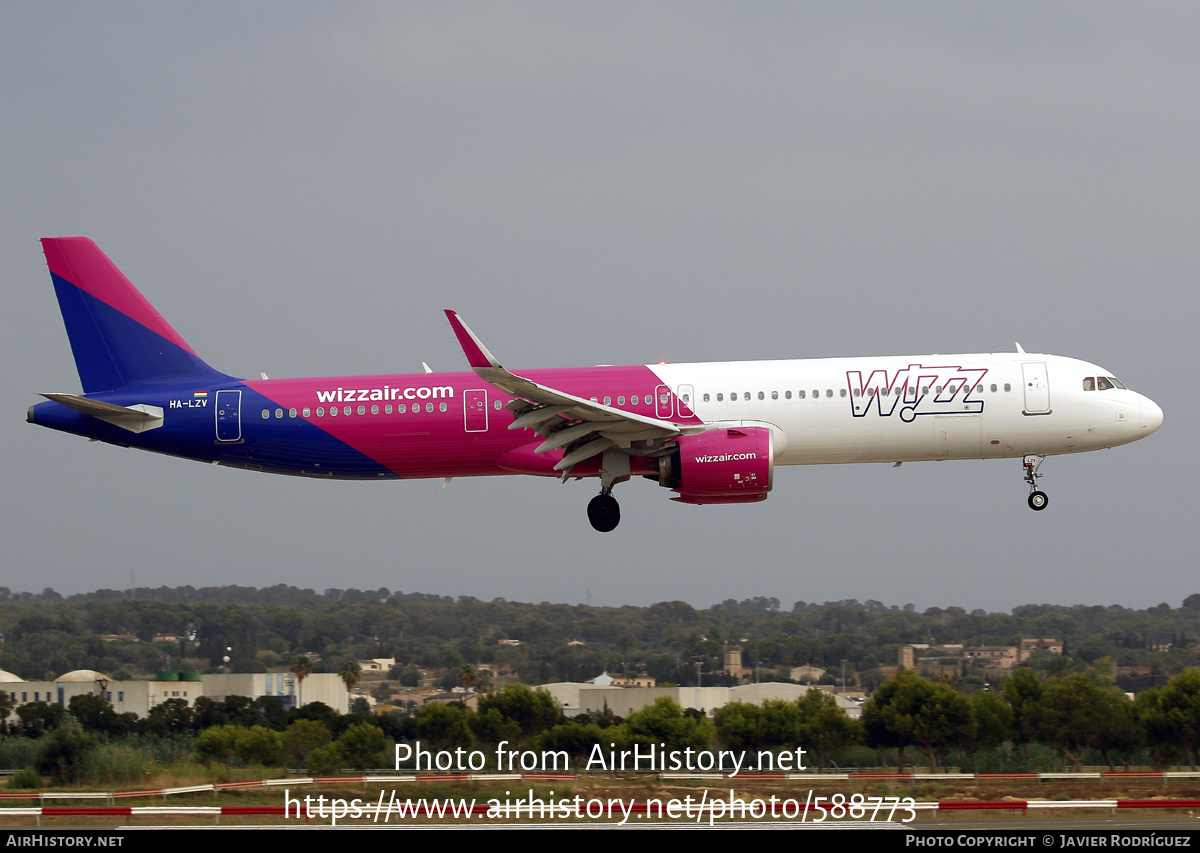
583,427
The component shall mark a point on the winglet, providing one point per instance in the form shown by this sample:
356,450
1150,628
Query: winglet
476,353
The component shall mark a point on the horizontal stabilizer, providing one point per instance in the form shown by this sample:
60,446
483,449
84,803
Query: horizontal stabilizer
138,418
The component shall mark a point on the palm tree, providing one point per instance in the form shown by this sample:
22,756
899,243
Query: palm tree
466,676
350,673
301,668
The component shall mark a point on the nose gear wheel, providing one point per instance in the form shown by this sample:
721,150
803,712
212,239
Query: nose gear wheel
1037,498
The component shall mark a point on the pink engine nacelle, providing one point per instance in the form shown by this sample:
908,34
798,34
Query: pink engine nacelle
722,466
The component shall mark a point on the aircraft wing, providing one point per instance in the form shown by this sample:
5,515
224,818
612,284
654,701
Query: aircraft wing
582,426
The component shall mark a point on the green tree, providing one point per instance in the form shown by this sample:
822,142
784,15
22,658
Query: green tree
908,709
219,743
326,760
739,726
38,718
1023,693
7,703
824,727
530,712
1156,724
1078,713
61,754
170,718
577,739
991,724
666,723
259,747
443,725
302,737
362,746
1180,702
95,714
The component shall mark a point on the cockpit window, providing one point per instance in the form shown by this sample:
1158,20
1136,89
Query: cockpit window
1103,384
1116,383
1089,383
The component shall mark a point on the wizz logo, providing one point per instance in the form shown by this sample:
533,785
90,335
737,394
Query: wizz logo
917,390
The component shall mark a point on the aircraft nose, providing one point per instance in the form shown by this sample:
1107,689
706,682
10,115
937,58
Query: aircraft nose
1152,416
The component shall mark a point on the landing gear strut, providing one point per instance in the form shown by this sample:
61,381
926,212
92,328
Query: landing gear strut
604,512
1037,499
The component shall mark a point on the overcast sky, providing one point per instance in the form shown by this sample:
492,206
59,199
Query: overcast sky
300,188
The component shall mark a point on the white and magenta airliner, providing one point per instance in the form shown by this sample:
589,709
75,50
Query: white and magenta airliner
711,433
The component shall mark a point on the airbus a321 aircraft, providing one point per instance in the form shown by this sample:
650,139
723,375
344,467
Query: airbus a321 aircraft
711,433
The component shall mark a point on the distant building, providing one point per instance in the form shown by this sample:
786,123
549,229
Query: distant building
139,697
575,698
807,674
992,657
733,663
633,681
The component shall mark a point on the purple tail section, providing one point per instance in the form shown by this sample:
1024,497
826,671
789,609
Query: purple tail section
117,337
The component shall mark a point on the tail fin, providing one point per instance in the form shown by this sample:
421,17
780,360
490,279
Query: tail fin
117,337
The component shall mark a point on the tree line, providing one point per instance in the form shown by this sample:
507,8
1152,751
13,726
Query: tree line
48,634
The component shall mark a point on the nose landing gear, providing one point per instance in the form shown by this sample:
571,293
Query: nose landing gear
1037,499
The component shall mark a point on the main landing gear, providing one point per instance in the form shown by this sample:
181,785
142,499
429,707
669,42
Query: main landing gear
1037,499
604,512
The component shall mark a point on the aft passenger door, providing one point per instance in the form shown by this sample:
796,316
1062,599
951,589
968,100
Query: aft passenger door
229,416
